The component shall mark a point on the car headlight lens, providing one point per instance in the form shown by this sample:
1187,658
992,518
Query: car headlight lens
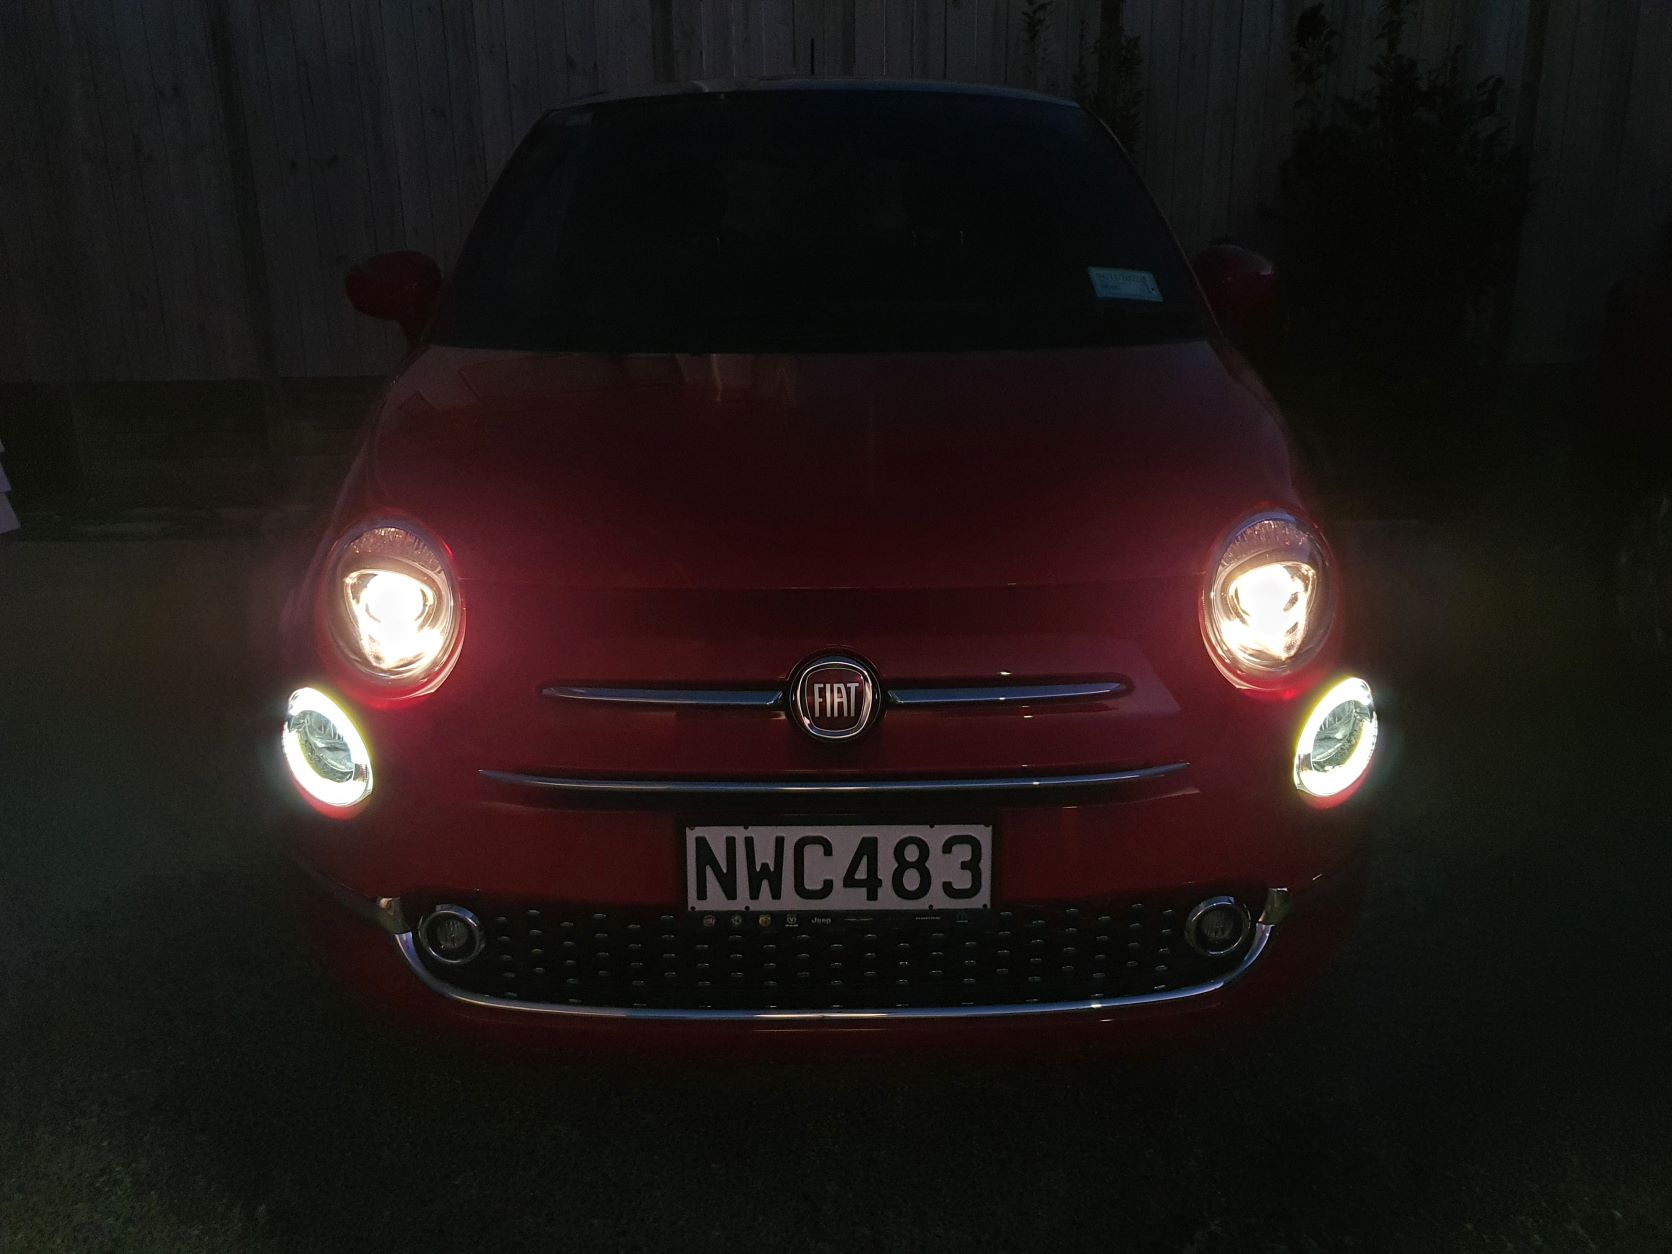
1337,740
325,752
1268,602
397,611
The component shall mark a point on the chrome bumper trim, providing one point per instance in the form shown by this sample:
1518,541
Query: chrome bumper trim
1262,936
383,911
832,786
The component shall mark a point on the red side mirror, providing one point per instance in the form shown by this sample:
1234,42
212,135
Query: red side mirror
1241,286
399,287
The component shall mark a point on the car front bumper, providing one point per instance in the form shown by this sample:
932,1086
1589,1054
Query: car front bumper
1122,840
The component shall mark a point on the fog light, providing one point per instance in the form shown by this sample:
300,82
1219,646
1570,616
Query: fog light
451,934
1336,741
324,750
1215,927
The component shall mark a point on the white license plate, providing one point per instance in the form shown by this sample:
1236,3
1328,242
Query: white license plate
937,866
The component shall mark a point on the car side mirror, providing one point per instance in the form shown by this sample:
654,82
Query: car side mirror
398,287
1241,286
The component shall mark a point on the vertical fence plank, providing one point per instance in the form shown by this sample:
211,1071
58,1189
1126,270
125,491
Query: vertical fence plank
528,59
1160,121
928,38
1222,38
837,34
580,34
463,97
869,46
378,344
333,128
301,255
34,241
1587,257
805,37
410,148
1243,208
899,53
1536,284
1644,195
116,241
543,68
685,35
718,51
389,197
165,210
624,44
776,49
451,196
283,217
746,38
1189,153
20,319
493,82
1135,20
1004,20
969,41
430,86
1277,127
221,346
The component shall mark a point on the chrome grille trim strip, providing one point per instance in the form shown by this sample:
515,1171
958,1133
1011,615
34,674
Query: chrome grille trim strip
1008,694
770,698
715,698
1262,936
831,786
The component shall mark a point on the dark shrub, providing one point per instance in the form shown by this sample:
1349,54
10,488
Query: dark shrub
1403,206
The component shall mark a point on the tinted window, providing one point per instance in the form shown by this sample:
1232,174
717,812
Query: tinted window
819,220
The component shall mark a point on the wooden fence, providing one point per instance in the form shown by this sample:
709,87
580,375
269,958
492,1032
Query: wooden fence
183,182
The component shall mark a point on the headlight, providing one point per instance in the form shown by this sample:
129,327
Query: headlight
326,754
1269,600
395,612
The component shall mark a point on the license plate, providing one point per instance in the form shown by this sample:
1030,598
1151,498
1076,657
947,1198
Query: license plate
938,866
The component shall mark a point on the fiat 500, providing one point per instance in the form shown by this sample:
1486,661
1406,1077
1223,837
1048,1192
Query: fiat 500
822,567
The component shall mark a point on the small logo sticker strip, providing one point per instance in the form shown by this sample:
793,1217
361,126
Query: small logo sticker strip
1112,284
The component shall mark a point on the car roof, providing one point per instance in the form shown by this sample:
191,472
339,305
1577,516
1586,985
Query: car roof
720,86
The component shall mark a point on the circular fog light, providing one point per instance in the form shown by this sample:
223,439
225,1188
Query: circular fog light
1336,741
451,934
327,757
1215,927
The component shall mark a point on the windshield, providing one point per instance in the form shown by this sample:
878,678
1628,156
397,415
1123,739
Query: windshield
812,221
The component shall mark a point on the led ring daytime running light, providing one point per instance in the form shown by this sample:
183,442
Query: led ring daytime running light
325,752
1336,741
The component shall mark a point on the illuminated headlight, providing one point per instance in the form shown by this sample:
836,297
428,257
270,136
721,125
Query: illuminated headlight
396,610
324,750
1268,601
1336,741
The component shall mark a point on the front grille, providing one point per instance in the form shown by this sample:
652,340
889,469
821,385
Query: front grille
665,960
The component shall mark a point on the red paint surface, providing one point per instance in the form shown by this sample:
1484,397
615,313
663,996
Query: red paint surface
688,521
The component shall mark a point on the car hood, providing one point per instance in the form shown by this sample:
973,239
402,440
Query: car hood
828,471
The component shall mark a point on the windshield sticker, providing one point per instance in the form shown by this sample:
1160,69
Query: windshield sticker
1110,284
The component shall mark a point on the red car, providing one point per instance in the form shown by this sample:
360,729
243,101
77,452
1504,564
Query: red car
822,568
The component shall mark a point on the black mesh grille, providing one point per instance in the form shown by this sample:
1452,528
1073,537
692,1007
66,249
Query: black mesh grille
627,957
